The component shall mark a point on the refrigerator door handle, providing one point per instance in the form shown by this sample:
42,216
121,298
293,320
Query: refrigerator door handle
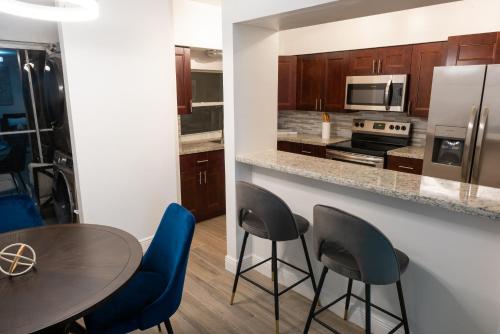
479,145
468,150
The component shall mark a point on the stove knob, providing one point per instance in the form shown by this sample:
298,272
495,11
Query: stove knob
397,127
391,127
362,125
403,128
356,124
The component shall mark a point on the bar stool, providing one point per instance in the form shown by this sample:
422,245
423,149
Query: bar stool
353,248
265,215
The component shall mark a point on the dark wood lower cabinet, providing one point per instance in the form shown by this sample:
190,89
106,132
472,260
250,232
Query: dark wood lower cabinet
304,149
203,184
406,165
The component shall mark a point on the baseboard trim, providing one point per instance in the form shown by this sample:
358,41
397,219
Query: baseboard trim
145,242
287,276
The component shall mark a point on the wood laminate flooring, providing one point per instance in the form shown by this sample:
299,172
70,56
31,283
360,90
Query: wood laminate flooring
205,304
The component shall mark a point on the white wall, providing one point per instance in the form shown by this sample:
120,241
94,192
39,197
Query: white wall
123,113
427,24
197,24
250,57
13,28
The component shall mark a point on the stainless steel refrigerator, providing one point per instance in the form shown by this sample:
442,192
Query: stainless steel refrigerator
463,133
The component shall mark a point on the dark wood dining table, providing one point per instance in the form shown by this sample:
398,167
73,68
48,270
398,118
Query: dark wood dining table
78,266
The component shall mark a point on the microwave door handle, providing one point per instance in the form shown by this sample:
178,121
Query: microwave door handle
467,155
479,145
387,95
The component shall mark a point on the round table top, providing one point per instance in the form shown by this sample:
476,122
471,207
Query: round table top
78,266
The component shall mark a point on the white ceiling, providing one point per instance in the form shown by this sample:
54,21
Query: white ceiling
338,11
213,2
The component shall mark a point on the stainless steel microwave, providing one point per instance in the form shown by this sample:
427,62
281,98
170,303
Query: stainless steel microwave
376,92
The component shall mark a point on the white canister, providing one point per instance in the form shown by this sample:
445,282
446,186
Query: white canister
325,130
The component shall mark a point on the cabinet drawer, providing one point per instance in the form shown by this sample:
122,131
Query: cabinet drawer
406,165
191,162
204,160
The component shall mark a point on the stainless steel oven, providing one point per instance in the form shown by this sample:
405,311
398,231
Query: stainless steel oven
376,92
360,159
370,142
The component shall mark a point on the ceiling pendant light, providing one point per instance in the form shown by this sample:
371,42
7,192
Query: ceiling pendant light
61,11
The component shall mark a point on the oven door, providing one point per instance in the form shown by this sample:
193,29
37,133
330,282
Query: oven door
360,159
376,92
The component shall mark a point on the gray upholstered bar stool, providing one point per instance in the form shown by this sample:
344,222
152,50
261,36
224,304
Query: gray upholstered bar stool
265,215
354,248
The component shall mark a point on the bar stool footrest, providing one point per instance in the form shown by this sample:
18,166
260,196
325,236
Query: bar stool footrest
361,299
308,276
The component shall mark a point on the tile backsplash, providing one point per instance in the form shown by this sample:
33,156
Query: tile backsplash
309,122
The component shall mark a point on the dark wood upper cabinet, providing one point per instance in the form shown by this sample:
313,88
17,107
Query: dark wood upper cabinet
474,49
287,82
183,74
425,58
310,81
389,60
336,69
395,59
363,62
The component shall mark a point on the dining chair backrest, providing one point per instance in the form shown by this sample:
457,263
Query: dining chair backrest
18,212
274,213
373,252
168,254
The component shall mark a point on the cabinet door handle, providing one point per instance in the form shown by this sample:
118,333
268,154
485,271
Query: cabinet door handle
406,167
201,161
307,152
373,66
320,104
205,172
191,106
409,108
379,70
316,107
199,173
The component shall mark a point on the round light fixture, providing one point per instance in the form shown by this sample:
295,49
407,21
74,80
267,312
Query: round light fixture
61,11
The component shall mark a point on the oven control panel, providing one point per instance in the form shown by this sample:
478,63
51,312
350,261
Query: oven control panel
386,128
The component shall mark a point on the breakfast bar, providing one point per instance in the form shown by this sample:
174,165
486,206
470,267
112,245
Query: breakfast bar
444,227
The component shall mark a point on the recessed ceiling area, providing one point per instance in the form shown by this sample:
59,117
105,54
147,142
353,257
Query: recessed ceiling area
337,11
213,2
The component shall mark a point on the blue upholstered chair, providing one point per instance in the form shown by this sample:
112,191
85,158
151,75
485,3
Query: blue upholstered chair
154,293
18,212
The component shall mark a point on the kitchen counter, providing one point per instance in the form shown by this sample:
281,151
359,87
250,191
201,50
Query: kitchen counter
310,139
412,152
455,196
199,147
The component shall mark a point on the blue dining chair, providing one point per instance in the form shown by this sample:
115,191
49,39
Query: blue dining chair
154,293
18,212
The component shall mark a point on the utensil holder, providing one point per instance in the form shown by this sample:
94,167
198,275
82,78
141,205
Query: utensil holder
325,130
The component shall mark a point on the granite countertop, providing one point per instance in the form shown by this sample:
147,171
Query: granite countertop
412,152
451,195
199,147
309,139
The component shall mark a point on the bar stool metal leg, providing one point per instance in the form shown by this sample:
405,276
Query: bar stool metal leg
238,270
403,308
276,287
316,299
348,298
308,260
368,316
